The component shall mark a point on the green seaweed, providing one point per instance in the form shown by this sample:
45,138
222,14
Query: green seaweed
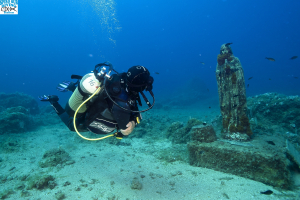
60,195
5,194
40,182
54,157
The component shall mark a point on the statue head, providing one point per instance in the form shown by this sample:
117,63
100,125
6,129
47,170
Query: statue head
225,49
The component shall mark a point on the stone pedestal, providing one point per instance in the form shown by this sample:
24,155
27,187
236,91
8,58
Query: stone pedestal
232,95
203,133
242,159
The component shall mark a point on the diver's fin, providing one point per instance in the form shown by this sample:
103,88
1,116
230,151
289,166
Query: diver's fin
66,86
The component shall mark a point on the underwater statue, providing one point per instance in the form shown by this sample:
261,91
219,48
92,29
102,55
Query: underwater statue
232,95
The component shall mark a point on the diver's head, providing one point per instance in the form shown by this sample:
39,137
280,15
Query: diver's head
139,79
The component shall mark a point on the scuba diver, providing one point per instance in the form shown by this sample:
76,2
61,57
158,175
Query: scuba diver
101,102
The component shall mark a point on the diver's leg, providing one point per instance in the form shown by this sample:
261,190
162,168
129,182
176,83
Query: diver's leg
53,99
65,118
68,121
57,107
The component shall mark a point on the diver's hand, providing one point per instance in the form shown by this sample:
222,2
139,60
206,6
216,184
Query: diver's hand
130,126
50,98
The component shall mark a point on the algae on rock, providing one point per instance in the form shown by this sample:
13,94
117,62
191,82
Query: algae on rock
178,133
40,182
15,120
55,157
19,99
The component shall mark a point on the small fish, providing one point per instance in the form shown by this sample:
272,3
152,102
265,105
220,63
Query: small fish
268,192
207,90
247,85
270,142
270,59
294,57
270,79
295,77
250,78
156,72
209,107
237,94
227,44
202,63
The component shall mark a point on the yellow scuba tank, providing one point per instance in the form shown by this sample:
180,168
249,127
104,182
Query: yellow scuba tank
87,86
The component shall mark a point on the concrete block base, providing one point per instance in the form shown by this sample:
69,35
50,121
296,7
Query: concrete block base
243,159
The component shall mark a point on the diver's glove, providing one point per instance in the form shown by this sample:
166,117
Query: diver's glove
66,86
130,126
51,98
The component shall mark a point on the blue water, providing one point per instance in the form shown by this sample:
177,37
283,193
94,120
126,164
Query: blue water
50,40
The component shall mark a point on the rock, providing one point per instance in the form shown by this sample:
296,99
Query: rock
55,157
19,99
172,183
272,109
180,134
252,162
6,193
20,113
203,133
66,183
40,181
70,162
176,173
60,195
293,153
136,184
15,120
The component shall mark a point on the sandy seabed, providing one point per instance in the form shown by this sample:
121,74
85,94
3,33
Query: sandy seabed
106,171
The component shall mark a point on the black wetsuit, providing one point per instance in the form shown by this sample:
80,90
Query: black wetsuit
102,115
